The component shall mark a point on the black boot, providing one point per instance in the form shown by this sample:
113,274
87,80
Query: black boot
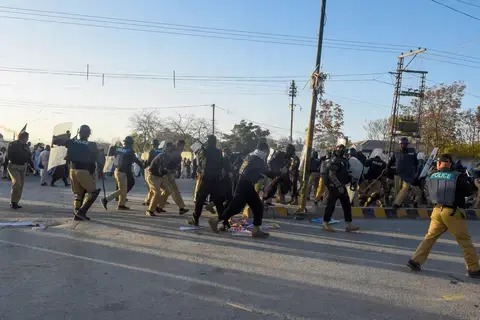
15,206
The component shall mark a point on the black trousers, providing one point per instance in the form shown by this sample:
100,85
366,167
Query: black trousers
209,187
294,177
228,185
244,194
333,195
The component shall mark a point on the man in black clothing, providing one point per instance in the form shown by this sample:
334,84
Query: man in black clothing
281,165
210,167
124,159
252,169
82,155
336,180
371,188
18,159
227,175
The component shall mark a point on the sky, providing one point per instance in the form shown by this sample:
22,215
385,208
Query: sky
359,79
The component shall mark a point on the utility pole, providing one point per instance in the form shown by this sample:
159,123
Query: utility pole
292,93
213,119
401,126
317,87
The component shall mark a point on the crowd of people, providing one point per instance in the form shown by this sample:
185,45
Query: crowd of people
231,181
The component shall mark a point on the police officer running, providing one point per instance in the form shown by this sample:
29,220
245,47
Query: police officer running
175,160
124,159
336,180
156,180
252,169
447,189
155,151
82,155
210,161
18,158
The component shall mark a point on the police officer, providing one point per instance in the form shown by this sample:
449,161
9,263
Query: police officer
336,180
124,159
321,188
314,176
447,189
210,162
227,174
18,158
371,188
294,172
406,164
82,155
251,171
151,155
175,155
156,180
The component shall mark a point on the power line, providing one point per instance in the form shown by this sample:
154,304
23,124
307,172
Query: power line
468,3
359,101
456,10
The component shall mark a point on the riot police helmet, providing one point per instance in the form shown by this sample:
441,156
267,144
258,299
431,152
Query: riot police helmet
128,141
84,131
352,152
314,154
290,149
155,143
404,142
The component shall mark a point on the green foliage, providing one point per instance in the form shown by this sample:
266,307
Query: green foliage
244,135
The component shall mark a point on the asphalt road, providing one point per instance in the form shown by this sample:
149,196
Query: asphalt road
126,266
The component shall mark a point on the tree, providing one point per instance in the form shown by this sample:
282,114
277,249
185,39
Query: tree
468,128
378,129
329,126
281,143
245,135
147,126
439,115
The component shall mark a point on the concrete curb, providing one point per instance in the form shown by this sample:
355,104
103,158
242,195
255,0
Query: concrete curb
361,212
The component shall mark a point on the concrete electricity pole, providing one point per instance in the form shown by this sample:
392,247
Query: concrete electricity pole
317,85
292,93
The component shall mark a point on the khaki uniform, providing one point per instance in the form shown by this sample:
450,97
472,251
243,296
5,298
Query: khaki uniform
441,221
17,174
150,192
368,187
402,190
157,186
172,189
122,181
313,181
82,183
321,189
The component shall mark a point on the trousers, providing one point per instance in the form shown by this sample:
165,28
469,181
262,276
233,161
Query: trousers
244,194
121,193
209,187
17,174
335,194
403,188
172,189
441,221
157,187
82,183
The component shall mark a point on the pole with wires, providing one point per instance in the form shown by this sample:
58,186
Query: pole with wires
292,93
317,84
213,119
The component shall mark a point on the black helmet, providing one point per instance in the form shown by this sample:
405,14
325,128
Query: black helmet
290,149
155,143
404,140
314,154
352,152
128,140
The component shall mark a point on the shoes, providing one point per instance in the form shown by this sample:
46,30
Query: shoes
415,266
44,184
327,227
82,216
104,203
193,223
473,274
146,203
150,214
123,208
350,227
52,185
67,185
160,210
213,222
258,233
182,211
209,208
15,206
